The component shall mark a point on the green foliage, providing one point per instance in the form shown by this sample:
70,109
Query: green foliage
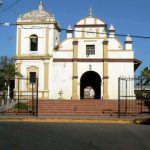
145,76
140,94
8,71
7,67
145,72
21,106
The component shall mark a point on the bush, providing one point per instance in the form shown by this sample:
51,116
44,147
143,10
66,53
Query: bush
22,106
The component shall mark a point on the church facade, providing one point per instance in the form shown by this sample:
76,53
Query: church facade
86,65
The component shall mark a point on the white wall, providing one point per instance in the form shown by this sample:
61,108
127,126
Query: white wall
121,54
98,48
62,80
61,73
40,31
28,63
116,70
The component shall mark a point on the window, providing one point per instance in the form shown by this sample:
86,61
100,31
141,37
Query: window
90,50
33,42
32,77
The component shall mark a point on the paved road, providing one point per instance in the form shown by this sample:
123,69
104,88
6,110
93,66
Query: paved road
73,136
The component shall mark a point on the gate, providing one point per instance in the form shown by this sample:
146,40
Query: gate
134,97
19,96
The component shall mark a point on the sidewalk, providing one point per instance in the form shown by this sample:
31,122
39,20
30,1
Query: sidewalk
65,119
75,119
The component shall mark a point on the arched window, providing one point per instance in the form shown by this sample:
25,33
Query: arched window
33,42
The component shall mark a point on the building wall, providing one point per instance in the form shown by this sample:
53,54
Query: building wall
55,64
84,67
61,80
116,70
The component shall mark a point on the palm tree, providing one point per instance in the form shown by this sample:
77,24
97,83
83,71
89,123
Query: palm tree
8,72
145,74
7,68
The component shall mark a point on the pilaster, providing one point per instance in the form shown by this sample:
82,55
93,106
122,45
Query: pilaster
19,42
47,41
46,76
105,70
17,84
75,71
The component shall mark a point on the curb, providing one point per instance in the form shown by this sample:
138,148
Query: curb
142,121
64,120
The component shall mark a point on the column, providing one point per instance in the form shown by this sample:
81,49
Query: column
17,83
46,76
105,70
47,41
75,71
19,42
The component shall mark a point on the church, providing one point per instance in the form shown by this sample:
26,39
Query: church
86,65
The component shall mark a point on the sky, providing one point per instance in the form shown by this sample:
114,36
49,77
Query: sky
128,17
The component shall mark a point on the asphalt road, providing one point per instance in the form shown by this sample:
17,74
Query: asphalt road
73,136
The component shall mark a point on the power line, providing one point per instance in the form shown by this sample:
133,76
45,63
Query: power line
12,10
73,30
9,7
117,34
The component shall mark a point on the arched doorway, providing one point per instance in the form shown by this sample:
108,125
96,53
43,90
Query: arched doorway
90,85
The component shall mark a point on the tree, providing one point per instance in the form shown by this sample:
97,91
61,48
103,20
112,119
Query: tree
8,72
145,74
7,68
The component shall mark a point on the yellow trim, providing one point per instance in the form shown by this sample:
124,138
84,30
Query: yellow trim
18,66
105,70
83,29
92,17
19,42
43,97
95,21
39,23
47,41
47,57
31,69
84,20
75,71
46,76
83,33
97,33
22,93
62,120
90,40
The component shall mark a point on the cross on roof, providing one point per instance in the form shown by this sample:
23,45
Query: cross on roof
41,6
90,12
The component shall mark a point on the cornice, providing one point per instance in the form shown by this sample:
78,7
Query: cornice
40,23
33,57
97,60
90,25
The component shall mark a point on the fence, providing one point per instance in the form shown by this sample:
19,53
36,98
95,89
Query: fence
19,96
134,97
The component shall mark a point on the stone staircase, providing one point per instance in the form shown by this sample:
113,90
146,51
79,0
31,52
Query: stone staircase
78,108
97,108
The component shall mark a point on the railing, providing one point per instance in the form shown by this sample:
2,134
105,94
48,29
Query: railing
133,97
19,100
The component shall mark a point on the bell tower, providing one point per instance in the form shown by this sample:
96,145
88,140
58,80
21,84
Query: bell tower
37,38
